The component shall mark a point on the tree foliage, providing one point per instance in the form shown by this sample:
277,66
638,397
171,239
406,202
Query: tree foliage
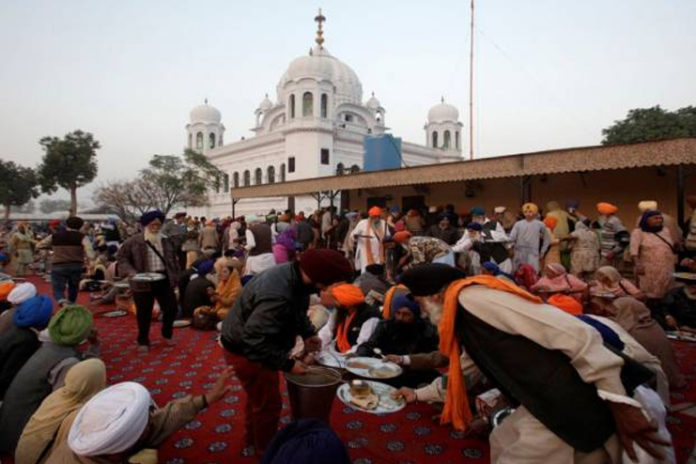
18,185
650,124
68,163
50,206
169,181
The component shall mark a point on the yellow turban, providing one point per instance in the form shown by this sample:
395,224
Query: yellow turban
530,207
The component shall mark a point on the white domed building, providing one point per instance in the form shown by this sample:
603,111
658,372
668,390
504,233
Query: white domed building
316,127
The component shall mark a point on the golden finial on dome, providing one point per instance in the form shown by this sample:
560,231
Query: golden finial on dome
320,18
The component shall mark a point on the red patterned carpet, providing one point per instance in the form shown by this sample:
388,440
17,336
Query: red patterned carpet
215,436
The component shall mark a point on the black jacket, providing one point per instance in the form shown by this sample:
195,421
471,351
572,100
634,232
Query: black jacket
268,315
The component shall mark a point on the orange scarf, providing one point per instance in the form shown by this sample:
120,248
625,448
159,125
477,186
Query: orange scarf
388,298
342,342
379,235
456,408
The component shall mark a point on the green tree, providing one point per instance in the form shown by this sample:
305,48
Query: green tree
650,124
68,163
18,185
168,181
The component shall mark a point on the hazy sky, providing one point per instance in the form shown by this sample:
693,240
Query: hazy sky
549,73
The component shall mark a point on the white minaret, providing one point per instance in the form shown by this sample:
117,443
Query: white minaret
205,131
443,129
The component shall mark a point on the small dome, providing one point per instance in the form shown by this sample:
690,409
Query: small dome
205,113
266,104
373,103
319,65
443,112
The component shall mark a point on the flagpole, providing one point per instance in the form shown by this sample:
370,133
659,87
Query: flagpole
471,87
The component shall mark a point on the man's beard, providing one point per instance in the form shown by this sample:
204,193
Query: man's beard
434,311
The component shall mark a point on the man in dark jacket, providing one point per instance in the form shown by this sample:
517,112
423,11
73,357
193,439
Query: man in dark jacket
70,247
150,251
262,327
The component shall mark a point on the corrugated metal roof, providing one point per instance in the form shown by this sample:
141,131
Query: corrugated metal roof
584,159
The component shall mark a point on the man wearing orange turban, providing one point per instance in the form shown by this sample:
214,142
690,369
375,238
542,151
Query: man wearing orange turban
611,229
367,239
541,357
352,323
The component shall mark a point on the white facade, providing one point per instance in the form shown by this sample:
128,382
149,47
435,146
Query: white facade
315,127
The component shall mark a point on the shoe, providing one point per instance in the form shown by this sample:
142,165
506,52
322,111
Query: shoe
143,349
170,341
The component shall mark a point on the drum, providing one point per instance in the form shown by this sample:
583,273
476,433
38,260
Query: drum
142,282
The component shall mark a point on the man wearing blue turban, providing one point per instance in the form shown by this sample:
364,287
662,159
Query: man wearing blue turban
152,251
404,333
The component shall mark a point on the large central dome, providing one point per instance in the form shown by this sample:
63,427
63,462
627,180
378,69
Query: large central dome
320,65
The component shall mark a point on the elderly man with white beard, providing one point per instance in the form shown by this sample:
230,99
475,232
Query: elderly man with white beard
571,404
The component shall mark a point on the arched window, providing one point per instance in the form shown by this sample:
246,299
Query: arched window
282,172
456,139
258,176
225,183
190,138
307,104
446,142
270,173
199,141
247,178
339,169
211,140
434,139
324,105
292,105
235,179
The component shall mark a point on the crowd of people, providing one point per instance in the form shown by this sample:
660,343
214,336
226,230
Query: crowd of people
557,315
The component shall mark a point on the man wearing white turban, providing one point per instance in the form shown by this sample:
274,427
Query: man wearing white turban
21,293
121,420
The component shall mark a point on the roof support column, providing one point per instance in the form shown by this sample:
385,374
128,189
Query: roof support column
680,194
525,189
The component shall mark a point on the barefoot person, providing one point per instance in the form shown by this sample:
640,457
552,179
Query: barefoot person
260,330
151,251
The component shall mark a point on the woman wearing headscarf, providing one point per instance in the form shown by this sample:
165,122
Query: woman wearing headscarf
557,280
610,280
653,255
45,371
121,421
635,319
553,254
353,321
83,380
228,289
21,341
584,252
284,247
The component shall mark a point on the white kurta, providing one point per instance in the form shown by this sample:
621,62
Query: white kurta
368,238
521,437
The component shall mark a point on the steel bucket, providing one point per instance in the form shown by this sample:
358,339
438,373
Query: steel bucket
312,394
